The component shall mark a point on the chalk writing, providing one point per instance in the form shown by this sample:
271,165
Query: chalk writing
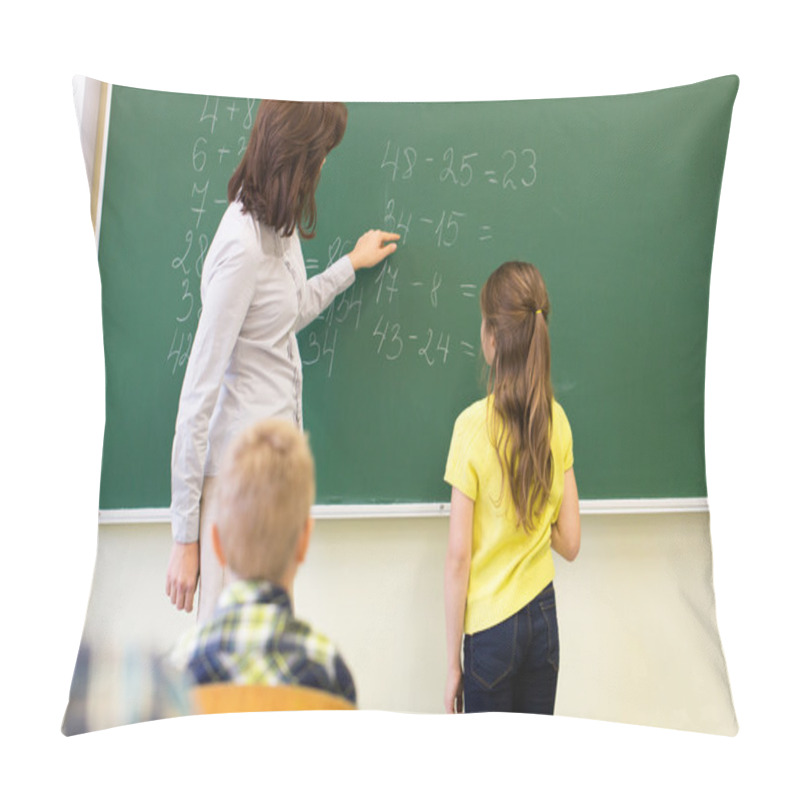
317,351
510,168
213,148
404,306
393,159
386,280
179,349
410,304
465,172
208,114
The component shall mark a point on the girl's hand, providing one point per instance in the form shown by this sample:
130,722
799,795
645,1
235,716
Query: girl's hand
372,248
453,696
182,572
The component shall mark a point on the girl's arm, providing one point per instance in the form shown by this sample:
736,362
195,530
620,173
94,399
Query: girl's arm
456,579
566,531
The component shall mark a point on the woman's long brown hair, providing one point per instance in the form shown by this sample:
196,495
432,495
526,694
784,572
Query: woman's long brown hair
278,174
515,309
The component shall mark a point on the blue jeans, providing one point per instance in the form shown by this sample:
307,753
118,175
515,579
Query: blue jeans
513,666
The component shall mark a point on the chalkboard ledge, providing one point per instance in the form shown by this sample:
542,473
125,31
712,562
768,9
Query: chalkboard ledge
659,505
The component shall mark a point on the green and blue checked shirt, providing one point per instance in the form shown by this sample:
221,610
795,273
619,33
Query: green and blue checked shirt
254,637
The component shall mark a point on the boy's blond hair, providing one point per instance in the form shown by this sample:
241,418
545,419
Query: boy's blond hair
263,499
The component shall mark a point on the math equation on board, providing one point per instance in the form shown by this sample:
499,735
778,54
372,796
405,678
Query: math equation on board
375,309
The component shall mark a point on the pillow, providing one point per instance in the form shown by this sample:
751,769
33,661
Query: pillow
614,198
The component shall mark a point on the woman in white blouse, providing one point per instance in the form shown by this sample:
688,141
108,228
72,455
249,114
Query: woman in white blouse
245,364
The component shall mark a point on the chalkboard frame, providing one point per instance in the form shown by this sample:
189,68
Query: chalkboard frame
438,505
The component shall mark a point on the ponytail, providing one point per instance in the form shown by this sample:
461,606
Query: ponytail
535,462
515,308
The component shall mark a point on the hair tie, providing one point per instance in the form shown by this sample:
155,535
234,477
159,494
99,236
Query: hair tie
538,311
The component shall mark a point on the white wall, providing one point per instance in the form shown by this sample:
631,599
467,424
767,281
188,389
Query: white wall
86,95
636,612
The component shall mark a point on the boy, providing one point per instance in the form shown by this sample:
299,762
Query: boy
262,513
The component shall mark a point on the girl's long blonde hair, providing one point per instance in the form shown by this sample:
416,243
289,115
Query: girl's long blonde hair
516,309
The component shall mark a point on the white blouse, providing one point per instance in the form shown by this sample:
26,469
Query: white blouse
245,363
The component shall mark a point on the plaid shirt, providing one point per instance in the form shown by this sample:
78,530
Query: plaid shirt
255,638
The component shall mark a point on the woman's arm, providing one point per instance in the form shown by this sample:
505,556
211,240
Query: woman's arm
229,285
321,290
456,580
566,532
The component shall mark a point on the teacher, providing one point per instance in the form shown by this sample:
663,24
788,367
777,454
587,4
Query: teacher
245,364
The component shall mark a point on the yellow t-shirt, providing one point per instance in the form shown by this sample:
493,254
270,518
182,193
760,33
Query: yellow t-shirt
509,566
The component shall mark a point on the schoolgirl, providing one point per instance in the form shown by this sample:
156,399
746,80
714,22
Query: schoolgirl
514,500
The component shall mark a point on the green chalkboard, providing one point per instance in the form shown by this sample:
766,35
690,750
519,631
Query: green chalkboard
613,198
